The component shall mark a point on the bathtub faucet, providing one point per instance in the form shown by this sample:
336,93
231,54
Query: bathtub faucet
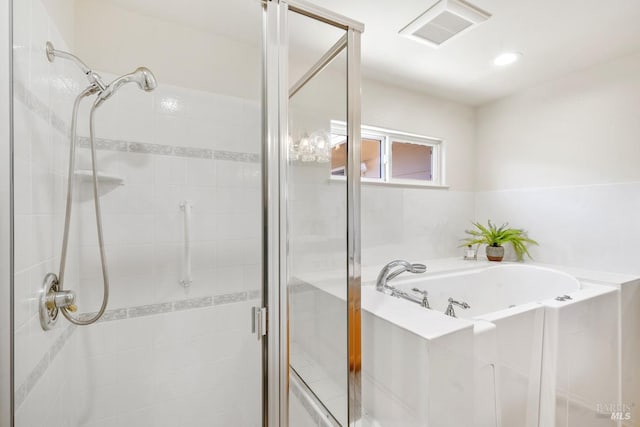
423,300
393,270
450,311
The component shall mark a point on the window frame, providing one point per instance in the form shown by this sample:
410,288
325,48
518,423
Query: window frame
387,137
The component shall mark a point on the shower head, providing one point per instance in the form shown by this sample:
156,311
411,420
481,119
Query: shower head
142,76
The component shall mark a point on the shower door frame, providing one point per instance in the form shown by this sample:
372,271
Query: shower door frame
275,202
6,204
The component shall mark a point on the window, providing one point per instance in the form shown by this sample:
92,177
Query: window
390,156
411,161
371,158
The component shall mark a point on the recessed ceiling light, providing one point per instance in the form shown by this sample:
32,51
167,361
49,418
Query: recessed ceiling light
506,58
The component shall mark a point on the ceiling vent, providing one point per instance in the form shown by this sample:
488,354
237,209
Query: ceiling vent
443,21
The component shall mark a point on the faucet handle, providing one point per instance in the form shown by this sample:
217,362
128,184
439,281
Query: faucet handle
459,304
421,292
425,297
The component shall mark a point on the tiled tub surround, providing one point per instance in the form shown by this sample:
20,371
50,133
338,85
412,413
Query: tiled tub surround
411,376
413,223
592,226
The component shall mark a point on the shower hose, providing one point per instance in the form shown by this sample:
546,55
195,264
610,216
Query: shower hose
67,219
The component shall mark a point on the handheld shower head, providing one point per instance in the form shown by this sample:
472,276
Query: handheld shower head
145,79
142,76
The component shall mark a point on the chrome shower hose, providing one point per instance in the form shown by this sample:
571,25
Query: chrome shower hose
96,199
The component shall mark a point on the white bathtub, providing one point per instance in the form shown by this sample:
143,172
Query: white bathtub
517,354
516,358
493,289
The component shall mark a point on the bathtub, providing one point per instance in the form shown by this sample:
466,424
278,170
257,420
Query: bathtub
494,289
524,367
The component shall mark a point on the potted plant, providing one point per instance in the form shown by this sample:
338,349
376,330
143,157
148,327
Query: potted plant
495,237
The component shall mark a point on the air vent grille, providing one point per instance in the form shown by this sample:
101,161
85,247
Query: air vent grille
443,21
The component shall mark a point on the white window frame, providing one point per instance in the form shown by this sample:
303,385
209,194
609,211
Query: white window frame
387,137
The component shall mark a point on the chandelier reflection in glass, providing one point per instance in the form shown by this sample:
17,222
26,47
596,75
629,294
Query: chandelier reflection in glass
311,148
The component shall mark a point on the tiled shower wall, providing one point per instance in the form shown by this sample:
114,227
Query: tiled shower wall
39,145
170,355
208,157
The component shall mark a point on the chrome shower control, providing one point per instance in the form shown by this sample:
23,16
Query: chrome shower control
52,299
59,299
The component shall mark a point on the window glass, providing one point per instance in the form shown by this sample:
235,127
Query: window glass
411,161
371,158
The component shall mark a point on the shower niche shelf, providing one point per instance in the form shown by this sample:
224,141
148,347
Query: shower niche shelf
85,175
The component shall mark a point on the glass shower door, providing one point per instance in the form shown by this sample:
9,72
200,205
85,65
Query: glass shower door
319,216
179,183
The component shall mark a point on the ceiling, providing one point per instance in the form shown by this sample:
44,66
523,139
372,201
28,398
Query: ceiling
556,37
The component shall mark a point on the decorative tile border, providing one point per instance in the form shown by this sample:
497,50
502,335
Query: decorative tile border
38,107
104,144
236,157
173,306
199,153
149,148
36,374
189,304
45,113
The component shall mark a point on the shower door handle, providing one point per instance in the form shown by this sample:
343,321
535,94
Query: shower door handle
259,321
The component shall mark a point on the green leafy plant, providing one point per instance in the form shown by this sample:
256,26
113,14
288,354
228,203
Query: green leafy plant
492,235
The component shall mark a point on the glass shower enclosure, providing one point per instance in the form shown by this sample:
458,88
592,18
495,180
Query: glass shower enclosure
197,200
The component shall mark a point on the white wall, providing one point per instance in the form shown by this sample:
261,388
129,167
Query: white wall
581,129
400,109
410,222
560,160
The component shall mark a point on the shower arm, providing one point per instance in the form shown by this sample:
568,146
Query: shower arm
93,77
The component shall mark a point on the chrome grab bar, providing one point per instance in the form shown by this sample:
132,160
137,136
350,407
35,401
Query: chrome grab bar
186,280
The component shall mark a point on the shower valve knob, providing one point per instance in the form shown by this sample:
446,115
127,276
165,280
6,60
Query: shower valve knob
60,299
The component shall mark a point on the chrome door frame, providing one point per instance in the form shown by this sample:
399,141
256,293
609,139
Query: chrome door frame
274,206
7,395
275,351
